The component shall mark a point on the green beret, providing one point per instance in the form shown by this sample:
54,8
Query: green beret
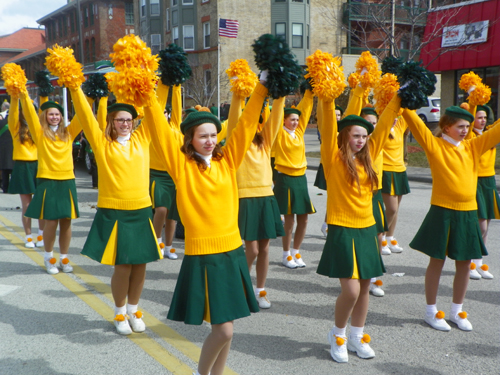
290,111
123,107
51,104
458,112
190,110
198,118
484,108
339,108
355,120
369,111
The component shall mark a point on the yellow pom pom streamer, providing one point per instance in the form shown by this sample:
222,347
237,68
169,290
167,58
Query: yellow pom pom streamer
62,63
384,91
14,79
353,80
130,51
135,86
366,339
327,74
367,64
469,80
480,95
242,79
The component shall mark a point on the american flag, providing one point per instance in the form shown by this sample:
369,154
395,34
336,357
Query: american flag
228,28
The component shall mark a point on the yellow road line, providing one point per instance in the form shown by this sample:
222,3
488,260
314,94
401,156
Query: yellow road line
166,333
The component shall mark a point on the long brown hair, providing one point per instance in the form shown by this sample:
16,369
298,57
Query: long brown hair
258,140
362,155
24,132
444,122
110,131
61,131
188,149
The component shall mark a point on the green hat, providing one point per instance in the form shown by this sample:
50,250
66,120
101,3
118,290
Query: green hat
355,120
484,108
198,118
458,112
51,104
339,108
190,110
369,111
290,111
123,107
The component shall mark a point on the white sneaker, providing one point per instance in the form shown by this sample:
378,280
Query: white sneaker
29,243
461,321
170,254
39,241
394,246
289,262
261,297
297,258
359,344
385,249
376,289
324,229
483,271
474,275
338,347
50,265
122,325
136,322
65,266
437,321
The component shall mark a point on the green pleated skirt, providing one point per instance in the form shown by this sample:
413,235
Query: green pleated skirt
320,181
216,288
259,218
163,193
122,237
379,212
488,201
395,183
54,200
275,172
292,195
23,178
449,233
351,253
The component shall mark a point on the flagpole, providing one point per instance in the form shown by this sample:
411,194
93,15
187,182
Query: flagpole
218,67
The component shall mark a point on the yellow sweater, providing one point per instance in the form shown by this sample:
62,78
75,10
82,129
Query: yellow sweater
346,205
487,161
255,176
394,148
207,200
55,158
22,151
290,157
162,95
454,169
123,170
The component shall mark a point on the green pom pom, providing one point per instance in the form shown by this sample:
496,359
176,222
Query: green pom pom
95,86
42,80
416,84
273,54
174,66
391,65
305,85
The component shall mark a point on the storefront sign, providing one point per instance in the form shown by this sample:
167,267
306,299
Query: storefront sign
460,35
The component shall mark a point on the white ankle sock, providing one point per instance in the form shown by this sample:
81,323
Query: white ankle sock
167,249
160,240
294,251
373,279
456,308
431,309
286,254
120,310
258,290
40,232
131,309
48,254
389,238
29,236
339,331
478,262
356,331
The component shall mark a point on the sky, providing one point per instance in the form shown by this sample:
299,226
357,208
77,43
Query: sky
16,14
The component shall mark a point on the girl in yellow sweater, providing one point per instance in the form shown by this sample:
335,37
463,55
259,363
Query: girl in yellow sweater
23,180
55,198
452,221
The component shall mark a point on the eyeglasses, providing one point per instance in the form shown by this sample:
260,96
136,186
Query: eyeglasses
122,121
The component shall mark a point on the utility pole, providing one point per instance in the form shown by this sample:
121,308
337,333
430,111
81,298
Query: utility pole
80,34
393,16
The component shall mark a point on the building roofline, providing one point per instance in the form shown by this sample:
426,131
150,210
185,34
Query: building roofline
70,5
462,4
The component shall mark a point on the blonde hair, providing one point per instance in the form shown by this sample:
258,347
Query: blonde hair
61,131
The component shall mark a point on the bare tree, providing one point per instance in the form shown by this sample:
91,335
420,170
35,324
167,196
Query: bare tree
201,87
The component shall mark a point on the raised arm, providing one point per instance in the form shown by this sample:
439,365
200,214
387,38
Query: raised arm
234,113
274,122
305,107
329,132
488,140
384,125
13,117
176,115
102,113
355,104
86,118
31,117
162,94
420,131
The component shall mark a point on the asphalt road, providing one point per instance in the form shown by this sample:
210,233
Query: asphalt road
63,324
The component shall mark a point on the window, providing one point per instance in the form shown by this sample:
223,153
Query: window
175,2
280,1
155,43
167,19
204,1
129,13
188,36
87,51
154,7
86,17
175,35
175,17
57,30
297,34
206,35
92,49
187,2
72,21
297,1
280,29
143,8
91,14
61,27
208,82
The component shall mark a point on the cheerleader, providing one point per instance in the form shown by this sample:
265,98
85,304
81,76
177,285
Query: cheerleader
290,186
258,218
55,198
451,228
122,232
23,181
488,200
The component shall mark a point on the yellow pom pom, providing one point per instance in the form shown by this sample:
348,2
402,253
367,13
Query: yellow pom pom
367,68
473,266
465,106
138,314
197,107
262,293
29,239
384,242
65,261
340,341
468,80
120,317
39,238
440,314
130,51
133,86
52,261
297,256
14,79
62,63
384,91
462,314
242,79
172,250
327,74
366,339
485,267
353,80
162,245
378,283
480,95
394,242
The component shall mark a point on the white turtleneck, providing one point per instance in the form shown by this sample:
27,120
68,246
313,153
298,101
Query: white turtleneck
207,158
54,127
448,139
291,132
123,140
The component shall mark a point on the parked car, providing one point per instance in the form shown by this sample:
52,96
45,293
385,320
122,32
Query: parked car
431,112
